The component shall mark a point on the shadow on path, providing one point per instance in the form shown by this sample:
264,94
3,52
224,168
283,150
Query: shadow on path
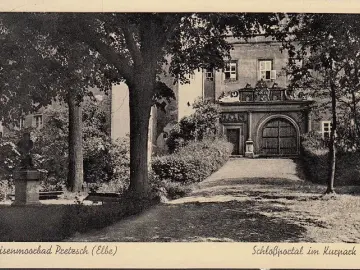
214,221
245,201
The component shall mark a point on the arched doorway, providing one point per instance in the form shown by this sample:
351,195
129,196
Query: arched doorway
279,136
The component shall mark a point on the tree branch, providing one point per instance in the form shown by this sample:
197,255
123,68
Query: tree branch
170,31
120,62
131,43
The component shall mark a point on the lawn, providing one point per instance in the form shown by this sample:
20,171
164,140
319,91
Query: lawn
55,222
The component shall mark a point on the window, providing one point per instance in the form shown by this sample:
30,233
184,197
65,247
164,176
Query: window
209,75
265,70
38,121
325,129
230,70
1,130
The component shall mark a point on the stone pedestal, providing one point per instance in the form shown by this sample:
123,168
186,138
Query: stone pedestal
27,187
249,148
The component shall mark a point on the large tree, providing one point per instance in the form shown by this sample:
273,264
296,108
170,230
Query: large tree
38,69
329,47
139,45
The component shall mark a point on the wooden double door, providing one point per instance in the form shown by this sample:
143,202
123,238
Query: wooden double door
279,138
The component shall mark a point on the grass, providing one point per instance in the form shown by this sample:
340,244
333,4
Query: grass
57,222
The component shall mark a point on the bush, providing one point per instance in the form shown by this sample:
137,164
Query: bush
315,158
193,162
9,158
107,164
202,123
5,188
163,189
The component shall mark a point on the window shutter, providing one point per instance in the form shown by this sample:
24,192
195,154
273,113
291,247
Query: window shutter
273,75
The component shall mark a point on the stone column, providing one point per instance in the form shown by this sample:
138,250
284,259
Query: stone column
26,187
249,144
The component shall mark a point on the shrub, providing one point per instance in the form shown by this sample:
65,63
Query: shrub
315,158
163,189
193,162
5,188
203,122
312,140
107,164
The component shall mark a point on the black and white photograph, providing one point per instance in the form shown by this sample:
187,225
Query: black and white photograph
180,127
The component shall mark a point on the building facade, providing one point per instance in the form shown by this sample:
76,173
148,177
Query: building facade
260,116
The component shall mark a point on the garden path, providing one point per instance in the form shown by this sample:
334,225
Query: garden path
247,200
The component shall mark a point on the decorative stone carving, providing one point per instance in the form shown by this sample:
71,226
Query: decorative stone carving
233,117
262,95
231,96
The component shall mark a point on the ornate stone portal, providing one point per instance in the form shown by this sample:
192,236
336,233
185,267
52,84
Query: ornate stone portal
243,109
27,177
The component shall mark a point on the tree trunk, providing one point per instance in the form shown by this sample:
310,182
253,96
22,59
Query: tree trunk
140,102
75,160
332,145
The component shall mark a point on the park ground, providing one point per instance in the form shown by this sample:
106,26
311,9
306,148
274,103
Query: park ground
247,200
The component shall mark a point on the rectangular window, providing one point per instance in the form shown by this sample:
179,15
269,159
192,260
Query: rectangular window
265,70
1,130
38,121
209,75
230,70
325,129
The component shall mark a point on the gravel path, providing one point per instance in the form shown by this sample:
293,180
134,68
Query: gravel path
247,200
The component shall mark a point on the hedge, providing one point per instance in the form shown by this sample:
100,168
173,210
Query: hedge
193,162
315,161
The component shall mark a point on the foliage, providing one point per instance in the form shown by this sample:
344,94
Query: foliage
164,189
193,162
133,48
106,163
51,146
204,122
9,158
324,57
312,140
315,159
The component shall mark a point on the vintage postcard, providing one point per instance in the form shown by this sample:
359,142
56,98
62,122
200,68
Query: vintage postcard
179,135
